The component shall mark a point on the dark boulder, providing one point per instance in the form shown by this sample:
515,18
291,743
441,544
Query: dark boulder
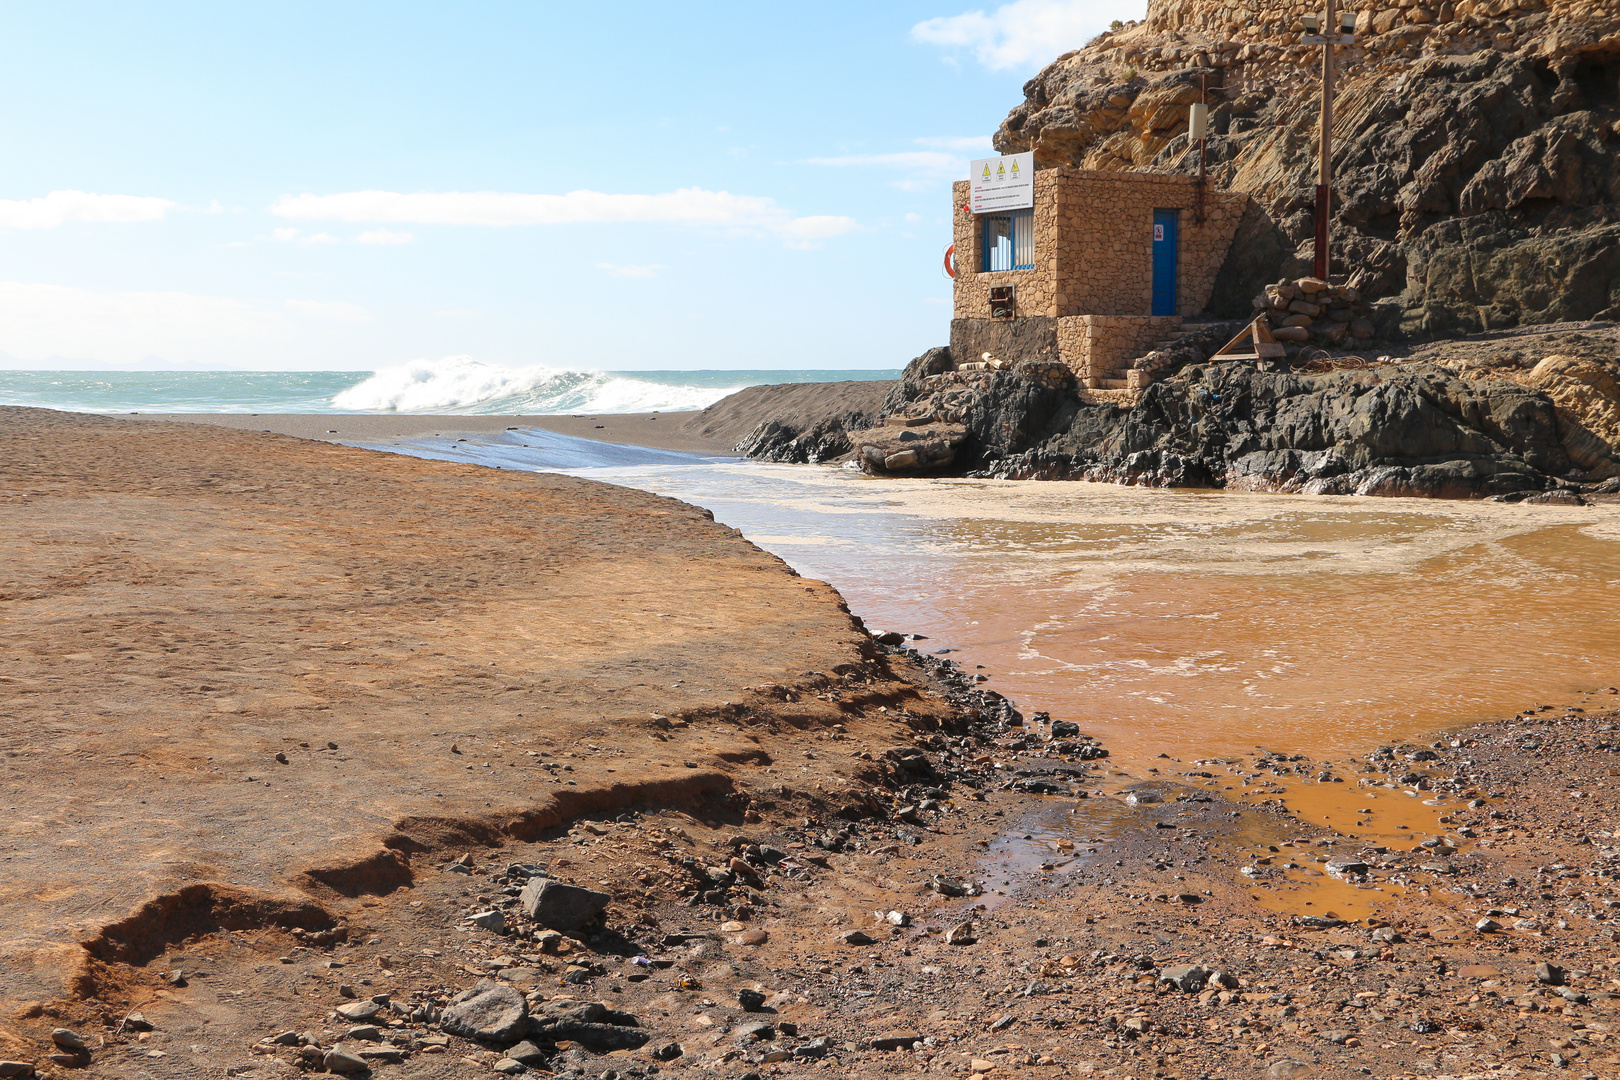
590,1023
561,907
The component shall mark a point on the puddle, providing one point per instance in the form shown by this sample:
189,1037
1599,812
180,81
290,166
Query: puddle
1106,838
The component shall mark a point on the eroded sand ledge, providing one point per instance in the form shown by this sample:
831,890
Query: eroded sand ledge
442,654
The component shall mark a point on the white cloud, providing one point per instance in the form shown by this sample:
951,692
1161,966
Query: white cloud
337,310
926,167
646,270
385,236
964,144
39,322
60,207
1025,32
687,206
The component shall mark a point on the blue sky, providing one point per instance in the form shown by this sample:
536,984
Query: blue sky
619,186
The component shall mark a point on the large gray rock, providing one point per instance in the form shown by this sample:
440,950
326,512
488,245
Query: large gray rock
489,1012
590,1023
899,447
343,1059
561,907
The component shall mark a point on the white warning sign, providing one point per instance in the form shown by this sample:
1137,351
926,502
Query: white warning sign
1003,183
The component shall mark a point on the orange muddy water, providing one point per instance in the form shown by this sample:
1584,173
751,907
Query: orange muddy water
1204,624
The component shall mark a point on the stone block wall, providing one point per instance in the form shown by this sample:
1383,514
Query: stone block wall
1096,347
1105,240
1037,288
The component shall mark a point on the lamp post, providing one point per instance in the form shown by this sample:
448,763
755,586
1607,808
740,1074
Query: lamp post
1346,23
1198,132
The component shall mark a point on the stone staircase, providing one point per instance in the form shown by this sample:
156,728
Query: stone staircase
1120,377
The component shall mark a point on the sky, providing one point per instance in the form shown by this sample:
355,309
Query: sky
609,186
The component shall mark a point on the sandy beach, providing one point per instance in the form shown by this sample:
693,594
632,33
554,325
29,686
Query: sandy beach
298,736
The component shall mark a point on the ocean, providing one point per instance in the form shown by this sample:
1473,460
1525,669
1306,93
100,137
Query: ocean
450,385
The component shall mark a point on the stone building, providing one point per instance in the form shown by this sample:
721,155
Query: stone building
1105,267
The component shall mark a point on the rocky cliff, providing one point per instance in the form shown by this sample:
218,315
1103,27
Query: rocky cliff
1477,146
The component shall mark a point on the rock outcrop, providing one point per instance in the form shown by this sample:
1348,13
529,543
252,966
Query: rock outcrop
805,422
1477,146
1502,424
1397,430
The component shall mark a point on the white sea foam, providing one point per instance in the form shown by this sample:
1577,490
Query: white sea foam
462,384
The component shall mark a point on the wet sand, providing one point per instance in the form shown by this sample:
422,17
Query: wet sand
661,431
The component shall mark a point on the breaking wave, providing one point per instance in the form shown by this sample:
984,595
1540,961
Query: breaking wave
460,384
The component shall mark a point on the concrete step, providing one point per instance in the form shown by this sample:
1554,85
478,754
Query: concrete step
1113,384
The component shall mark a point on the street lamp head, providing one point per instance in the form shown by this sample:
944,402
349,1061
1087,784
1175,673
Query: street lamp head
1347,22
1197,122
1311,24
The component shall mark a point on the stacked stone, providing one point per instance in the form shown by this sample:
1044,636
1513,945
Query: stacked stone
1309,310
1182,34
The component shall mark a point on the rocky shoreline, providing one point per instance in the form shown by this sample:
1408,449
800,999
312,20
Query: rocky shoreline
1513,415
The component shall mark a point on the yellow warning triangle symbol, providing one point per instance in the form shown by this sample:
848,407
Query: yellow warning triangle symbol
1001,170
987,170
1015,168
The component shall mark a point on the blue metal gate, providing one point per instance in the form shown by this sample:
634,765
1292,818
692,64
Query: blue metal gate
1164,262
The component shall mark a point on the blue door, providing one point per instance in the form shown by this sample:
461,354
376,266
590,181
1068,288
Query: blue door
1164,262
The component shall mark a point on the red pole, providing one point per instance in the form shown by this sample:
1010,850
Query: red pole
1324,178
1324,200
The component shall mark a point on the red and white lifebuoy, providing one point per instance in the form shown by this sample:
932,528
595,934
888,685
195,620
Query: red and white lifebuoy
950,261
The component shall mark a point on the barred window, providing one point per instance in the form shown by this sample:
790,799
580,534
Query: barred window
1009,240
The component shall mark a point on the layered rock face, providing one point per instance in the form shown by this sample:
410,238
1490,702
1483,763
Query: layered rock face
1476,146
